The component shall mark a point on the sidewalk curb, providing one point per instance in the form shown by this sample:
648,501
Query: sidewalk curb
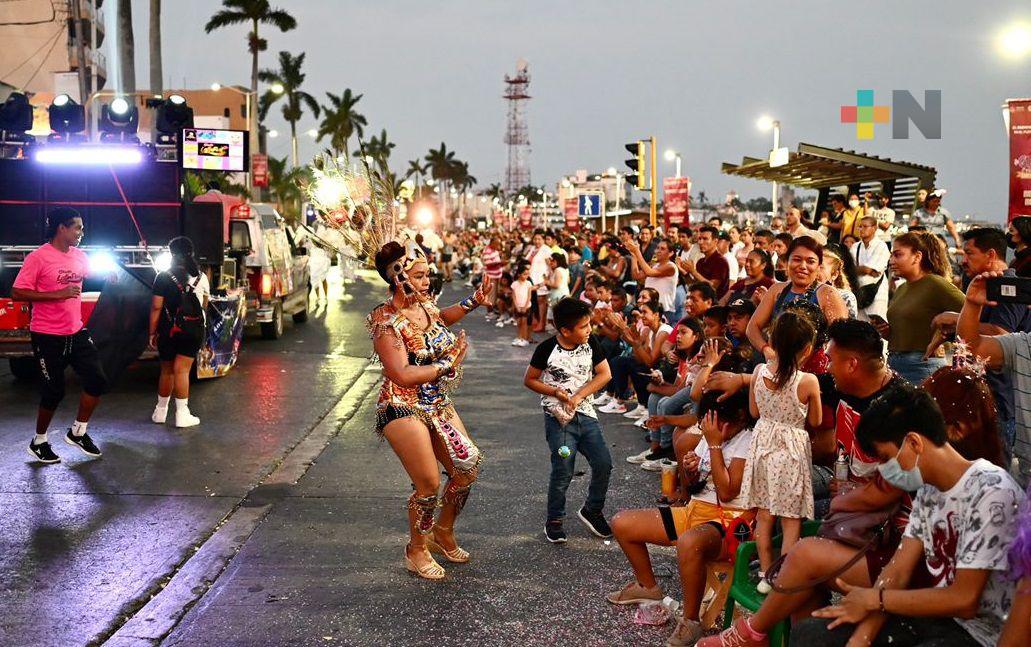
176,594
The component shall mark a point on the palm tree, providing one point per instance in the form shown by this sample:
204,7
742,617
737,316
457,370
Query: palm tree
284,186
379,150
155,47
462,181
341,121
442,164
289,76
126,47
252,12
495,191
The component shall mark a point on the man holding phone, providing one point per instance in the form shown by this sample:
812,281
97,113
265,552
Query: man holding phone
984,250
1009,354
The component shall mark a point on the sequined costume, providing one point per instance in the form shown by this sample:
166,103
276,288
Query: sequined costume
430,402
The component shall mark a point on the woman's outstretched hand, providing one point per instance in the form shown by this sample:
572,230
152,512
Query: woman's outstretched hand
461,348
484,290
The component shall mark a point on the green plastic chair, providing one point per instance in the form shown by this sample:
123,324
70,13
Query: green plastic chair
743,588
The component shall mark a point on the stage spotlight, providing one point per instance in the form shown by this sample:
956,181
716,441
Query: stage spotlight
119,121
15,117
67,118
173,115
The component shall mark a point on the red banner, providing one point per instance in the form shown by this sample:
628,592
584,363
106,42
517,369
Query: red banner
525,217
259,169
676,199
1020,157
571,209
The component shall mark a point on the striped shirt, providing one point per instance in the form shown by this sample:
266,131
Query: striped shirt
1016,360
492,262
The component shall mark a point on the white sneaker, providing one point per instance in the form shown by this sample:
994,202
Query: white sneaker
515,342
500,324
159,415
655,466
637,413
764,585
637,459
642,422
510,321
183,418
613,407
490,316
602,400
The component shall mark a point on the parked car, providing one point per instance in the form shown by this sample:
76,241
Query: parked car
275,270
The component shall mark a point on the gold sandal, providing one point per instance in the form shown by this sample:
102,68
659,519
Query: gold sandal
457,556
431,571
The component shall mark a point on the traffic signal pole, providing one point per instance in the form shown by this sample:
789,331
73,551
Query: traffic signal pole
655,189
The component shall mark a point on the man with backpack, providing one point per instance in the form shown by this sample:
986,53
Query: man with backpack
177,329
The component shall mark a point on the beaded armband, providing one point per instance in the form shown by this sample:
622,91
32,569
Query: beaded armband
469,303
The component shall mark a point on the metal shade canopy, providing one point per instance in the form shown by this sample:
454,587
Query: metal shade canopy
820,168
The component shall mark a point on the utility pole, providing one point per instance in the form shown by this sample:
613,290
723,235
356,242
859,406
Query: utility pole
80,50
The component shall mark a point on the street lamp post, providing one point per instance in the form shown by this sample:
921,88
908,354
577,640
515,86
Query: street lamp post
768,123
674,156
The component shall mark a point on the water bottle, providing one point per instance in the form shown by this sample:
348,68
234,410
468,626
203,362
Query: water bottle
841,473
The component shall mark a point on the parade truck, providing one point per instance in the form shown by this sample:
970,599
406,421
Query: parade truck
131,198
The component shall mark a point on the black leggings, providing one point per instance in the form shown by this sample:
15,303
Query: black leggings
55,353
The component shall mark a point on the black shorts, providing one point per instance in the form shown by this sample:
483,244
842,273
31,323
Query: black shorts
170,347
55,353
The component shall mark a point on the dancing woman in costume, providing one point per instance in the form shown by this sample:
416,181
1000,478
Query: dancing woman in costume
422,364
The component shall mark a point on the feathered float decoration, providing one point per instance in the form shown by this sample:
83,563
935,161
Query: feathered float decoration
354,199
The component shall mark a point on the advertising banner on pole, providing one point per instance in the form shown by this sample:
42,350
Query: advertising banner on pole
1020,157
259,169
525,216
571,210
676,198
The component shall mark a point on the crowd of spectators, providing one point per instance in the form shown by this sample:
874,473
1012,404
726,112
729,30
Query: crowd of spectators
757,363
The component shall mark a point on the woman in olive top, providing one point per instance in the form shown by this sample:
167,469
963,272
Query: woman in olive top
924,295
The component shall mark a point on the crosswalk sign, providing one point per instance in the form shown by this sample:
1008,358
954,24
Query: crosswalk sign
590,205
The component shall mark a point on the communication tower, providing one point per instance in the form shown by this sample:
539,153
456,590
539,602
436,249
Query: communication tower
517,174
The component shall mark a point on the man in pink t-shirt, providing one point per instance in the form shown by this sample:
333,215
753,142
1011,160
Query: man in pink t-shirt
51,279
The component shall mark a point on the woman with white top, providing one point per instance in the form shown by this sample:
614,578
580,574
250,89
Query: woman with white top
660,275
538,257
557,279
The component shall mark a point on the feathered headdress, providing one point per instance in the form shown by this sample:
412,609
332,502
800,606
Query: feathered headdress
356,200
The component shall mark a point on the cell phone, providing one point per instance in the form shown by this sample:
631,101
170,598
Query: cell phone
1009,289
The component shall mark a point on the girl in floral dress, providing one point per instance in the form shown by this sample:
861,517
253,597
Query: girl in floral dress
783,398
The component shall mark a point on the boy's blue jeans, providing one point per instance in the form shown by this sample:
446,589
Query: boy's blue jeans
582,434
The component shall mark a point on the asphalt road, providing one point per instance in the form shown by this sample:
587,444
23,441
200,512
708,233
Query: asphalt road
84,543
252,530
325,567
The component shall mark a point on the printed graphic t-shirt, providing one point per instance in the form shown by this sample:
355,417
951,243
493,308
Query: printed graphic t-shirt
971,526
47,269
567,368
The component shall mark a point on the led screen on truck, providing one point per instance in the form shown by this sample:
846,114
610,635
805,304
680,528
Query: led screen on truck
207,149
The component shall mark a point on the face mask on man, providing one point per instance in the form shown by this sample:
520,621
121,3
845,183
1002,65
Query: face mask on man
1012,244
853,204
908,480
